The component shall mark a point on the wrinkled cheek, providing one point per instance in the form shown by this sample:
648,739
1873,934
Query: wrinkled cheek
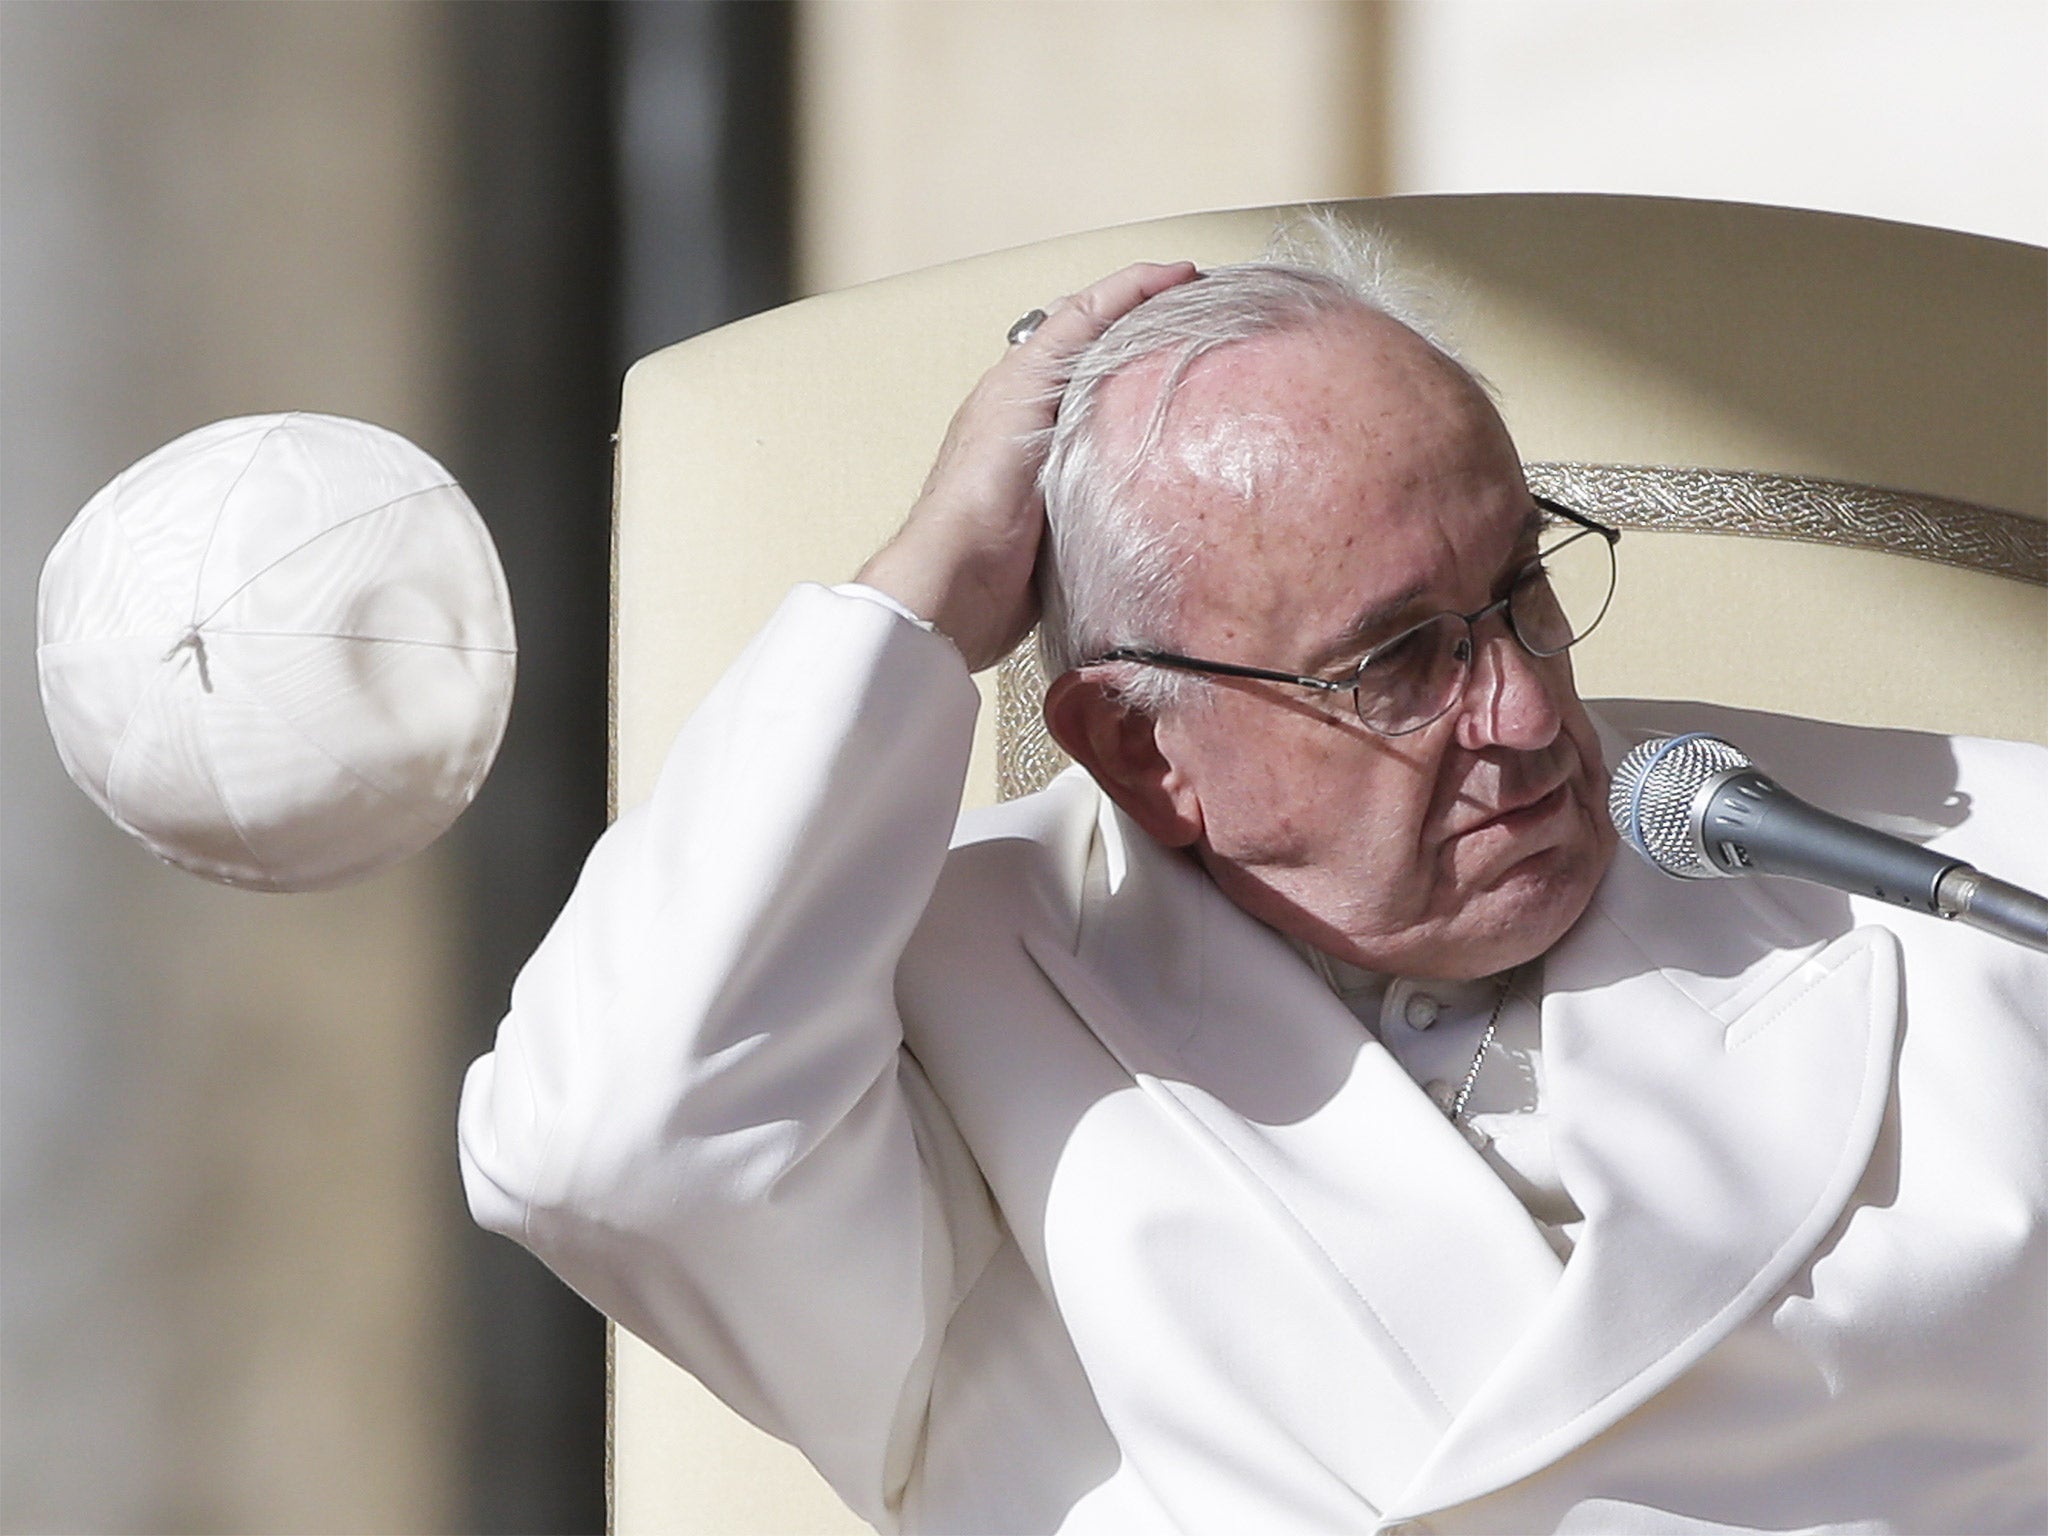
1255,808
1397,884
1263,821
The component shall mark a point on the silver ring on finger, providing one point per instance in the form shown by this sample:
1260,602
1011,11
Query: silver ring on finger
1020,331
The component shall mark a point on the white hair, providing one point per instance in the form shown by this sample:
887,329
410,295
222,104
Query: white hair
1109,577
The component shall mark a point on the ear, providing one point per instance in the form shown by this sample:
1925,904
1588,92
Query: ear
1119,746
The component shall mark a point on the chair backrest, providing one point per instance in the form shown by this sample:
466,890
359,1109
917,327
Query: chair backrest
1827,437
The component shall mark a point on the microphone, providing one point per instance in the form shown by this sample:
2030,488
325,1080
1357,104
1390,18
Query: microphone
1696,808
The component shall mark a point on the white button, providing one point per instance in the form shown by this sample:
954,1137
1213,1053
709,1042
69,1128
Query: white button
1421,1010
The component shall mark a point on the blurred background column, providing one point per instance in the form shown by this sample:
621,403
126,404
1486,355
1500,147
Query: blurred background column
239,1290
229,1242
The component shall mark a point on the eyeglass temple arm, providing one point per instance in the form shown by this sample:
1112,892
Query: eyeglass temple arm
1559,509
1220,668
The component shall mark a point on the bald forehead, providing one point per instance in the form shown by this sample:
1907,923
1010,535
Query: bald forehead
1247,416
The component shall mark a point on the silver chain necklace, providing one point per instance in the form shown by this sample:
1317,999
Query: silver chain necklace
1456,1112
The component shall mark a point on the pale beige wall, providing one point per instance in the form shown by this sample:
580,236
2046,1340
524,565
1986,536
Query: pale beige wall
1928,111
930,131
229,1197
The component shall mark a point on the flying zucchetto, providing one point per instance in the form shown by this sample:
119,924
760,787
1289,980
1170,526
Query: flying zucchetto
278,650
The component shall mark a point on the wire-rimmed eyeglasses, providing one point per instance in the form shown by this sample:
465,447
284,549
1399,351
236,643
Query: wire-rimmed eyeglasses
1405,683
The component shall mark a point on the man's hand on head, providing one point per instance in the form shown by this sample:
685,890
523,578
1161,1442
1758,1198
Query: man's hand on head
964,557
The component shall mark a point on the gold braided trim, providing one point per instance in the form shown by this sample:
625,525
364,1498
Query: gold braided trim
1661,499
1027,758
1835,512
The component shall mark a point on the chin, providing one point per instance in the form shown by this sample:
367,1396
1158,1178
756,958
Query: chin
1527,911
1529,928
1543,897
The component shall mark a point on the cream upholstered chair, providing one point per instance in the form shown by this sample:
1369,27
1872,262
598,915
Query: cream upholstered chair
1827,437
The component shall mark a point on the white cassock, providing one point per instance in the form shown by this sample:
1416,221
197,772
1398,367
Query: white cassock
1033,1186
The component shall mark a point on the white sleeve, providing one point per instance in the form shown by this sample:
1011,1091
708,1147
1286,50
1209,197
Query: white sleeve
698,1111
866,593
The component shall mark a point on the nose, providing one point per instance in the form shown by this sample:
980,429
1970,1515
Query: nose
1512,699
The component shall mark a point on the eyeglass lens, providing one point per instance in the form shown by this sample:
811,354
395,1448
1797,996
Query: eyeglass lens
1561,609
1417,676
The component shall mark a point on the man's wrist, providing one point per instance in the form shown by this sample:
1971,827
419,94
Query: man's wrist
945,600
876,595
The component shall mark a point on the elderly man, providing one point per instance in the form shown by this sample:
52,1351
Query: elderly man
1300,1121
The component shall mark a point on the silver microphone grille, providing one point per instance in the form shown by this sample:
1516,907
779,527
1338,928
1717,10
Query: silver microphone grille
1650,800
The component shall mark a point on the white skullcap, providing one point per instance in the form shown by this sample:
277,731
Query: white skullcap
279,650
